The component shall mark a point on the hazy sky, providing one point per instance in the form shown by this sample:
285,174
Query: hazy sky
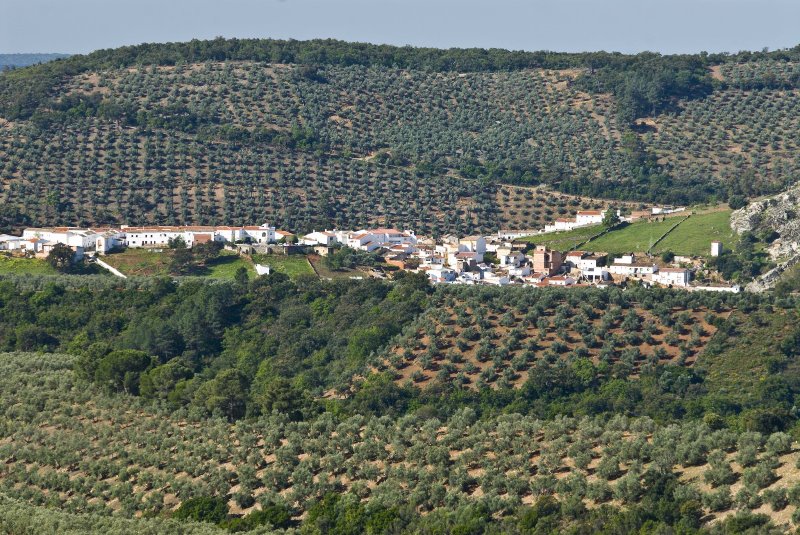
668,26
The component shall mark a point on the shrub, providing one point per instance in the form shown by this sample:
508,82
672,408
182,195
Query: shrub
203,509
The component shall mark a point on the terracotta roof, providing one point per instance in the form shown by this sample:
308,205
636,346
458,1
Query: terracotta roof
590,212
202,238
673,270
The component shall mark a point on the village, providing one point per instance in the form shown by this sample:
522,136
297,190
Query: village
498,259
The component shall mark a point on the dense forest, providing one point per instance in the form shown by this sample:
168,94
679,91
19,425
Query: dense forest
270,404
326,133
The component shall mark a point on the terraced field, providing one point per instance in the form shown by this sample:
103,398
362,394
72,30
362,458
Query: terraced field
503,339
77,450
353,146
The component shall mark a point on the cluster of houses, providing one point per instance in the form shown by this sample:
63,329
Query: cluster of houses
466,260
40,241
494,260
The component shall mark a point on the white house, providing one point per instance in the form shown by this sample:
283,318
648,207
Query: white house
672,276
589,217
561,224
629,266
441,274
327,238
507,256
521,271
393,236
561,280
473,244
364,241
260,234
10,243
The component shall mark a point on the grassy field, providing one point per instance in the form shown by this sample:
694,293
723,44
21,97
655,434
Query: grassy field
140,262
636,237
226,265
564,241
293,265
144,263
28,266
326,273
693,237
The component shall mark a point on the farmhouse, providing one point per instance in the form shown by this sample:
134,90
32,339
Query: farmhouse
672,276
589,217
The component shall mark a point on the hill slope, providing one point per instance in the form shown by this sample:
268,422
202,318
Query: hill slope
321,133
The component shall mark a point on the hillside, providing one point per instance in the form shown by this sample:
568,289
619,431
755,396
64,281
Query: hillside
272,401
323,133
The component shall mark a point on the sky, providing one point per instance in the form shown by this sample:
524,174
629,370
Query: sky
667,26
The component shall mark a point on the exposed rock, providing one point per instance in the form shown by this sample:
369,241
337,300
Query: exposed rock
770,278
780,213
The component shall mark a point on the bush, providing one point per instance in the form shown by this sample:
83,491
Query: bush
203,509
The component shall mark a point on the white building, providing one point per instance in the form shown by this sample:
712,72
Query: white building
561,224
441,274
10,243
672,276
716,248
327,238
589,217
514,234
510,257
628,266
100,240
561,280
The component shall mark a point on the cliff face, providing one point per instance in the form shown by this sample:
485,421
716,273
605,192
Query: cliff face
780,213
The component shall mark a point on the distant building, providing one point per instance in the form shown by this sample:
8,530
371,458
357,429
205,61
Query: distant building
546,261
589,217
716,248
672,276
628,266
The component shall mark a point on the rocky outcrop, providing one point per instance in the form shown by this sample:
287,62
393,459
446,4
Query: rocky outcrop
770,278
779,213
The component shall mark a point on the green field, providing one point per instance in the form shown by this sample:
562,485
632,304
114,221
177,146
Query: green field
140,262
636,237
144,263
693,237
28,266
226,265
293,265
564,241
